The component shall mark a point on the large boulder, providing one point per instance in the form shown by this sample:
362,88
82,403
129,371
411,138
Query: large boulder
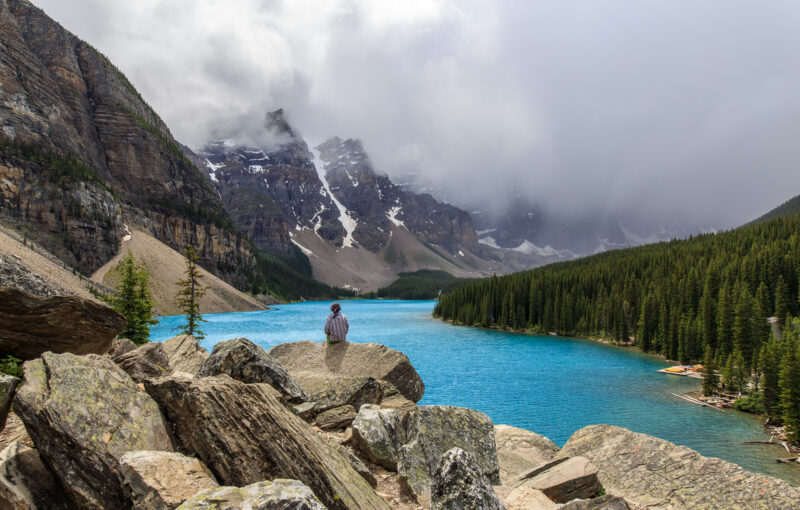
185,354
352,360
157,480
432,431
8,386
520,450
31,325
120,346
524,498
459,484
247,362
651,472
83,414
14,431
379,434
605,502
26,483
244,434
146,362
563,479
275,495
329,392
336,418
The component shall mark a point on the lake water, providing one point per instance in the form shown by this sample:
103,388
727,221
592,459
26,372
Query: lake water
550,385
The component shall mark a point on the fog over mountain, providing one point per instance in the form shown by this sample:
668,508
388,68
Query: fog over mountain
668,111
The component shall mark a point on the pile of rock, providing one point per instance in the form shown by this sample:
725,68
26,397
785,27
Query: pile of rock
305,426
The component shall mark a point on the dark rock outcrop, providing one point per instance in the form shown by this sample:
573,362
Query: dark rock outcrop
158,480
146,362
31,325
651,472
244,434
275,495
83,414
26,483
351,360
459,484
433,430
247,362
377,204
185,354
8,386
81,150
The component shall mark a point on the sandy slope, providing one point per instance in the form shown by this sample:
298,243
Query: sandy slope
166,267
38,261
365,271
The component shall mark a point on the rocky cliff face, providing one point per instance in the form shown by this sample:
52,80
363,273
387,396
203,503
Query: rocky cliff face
376,203
282,187
82,153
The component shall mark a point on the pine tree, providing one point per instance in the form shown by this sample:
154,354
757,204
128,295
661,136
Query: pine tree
191,290
789,384
769,364
710,376
133,300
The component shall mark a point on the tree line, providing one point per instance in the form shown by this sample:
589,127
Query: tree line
707,296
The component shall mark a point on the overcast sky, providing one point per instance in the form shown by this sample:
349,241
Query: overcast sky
678,109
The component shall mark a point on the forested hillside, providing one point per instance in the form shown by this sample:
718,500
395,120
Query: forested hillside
674,297
422,284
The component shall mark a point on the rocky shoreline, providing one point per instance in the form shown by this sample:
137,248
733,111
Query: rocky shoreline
307,426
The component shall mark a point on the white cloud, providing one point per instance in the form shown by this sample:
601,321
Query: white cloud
669,107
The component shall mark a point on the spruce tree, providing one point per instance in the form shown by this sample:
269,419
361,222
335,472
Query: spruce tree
789,384
191,290
133,300
769,364
710,376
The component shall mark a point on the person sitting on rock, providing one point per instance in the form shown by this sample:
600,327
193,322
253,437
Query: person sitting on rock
336,326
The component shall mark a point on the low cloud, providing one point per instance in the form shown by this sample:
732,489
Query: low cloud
671,109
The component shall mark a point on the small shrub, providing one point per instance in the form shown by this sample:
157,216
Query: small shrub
11,366
751,404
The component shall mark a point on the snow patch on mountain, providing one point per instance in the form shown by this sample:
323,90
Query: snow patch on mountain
529,248
392,216
489,241
345,219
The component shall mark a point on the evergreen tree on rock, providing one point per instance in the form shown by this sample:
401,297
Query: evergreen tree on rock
133,300
191,290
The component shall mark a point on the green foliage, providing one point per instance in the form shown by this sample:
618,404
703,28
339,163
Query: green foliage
133,300
751,403
710,374
191,290
789,382
11,366
789,208
423,284
289,278
676,297
59,168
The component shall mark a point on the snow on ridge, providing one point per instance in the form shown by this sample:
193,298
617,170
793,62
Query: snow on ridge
345,219
306,251
212,174
489,241
392,216
529,248
481,232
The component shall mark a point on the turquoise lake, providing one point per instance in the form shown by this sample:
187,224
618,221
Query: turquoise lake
550,385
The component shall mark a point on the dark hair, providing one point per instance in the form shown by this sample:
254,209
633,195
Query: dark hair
335,307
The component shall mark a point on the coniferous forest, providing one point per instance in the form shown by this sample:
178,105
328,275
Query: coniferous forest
707,297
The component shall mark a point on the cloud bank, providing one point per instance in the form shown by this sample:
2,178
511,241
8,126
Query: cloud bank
672,109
